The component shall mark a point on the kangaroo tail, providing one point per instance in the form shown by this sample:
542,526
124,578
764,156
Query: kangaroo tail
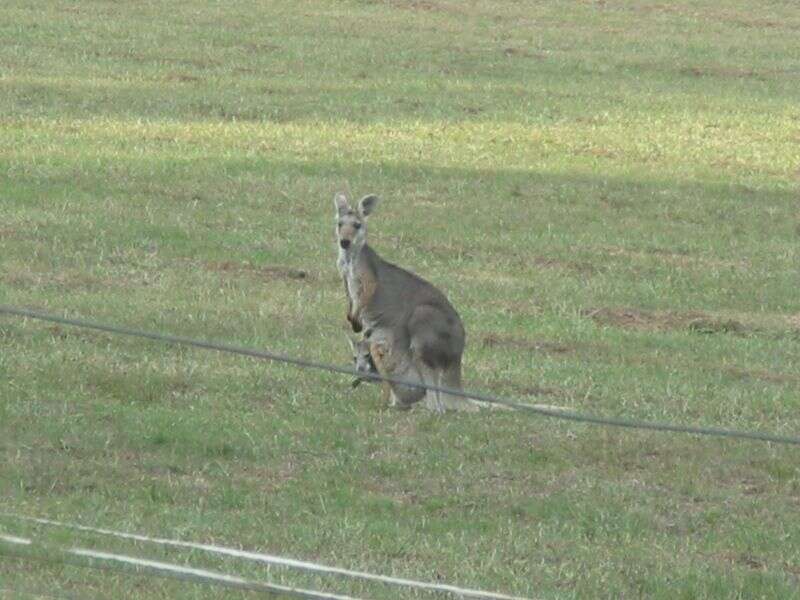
451,378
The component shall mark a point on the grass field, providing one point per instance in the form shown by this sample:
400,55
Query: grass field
607,190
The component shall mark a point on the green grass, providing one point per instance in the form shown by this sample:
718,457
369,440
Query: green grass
588,181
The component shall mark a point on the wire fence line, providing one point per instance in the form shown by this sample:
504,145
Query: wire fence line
271,559
487,398
85,557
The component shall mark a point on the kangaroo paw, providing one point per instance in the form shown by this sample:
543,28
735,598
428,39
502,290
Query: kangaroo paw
355,324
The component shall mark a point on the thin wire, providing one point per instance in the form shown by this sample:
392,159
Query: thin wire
303,363
277,560
85,557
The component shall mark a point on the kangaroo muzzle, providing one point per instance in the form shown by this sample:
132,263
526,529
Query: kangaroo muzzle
345,244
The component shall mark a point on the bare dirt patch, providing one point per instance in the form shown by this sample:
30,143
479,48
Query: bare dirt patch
735,18
532,390
260,271
676,256
492,340
744,559
270,478
446,251
749,22
567,265
425,6
528,390
513,51
760,375
64,333
714,325
719,71
594,151
181,78
643,320
516,307
10,233
68,281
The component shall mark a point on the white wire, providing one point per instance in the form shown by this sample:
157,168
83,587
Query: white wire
189,573
278,560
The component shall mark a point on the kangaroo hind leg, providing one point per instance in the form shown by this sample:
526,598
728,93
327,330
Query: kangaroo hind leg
452,381
433,400
395,364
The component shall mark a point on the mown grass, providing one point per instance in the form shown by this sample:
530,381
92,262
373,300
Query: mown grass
607,192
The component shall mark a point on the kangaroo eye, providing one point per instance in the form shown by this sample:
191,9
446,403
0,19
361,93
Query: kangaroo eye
341,223
356,225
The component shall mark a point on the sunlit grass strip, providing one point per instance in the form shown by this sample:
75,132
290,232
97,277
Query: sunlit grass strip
685,142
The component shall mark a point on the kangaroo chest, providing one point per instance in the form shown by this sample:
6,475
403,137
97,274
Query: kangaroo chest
359,282
352,282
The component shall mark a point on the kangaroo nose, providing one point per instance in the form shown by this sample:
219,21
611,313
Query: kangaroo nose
345,244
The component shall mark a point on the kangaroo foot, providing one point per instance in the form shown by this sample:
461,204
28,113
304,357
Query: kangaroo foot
434,403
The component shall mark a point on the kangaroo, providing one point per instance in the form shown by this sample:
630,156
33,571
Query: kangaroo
363,351
362,359
375,354
420,332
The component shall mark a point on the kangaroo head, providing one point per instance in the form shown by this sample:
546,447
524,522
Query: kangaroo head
362,359
351,225
379,351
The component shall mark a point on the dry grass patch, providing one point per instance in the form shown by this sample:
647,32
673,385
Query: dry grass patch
491,340
677,257
425,6
762,375
643,320
260,271
718,71
583,268
67,281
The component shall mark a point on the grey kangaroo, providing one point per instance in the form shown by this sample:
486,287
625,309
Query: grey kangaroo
415,333
362,360
376,355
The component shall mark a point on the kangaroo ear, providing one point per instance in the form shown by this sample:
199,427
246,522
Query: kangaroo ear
341,203
367,205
